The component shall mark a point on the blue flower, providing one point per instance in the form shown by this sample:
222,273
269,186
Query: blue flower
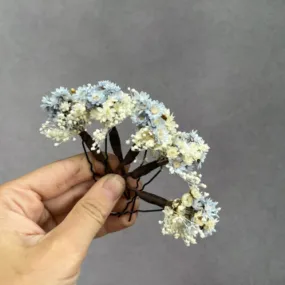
95,97
178,166
184,136
140,118
48,102
91,95
208,212
210,208
117,96
82,92
52,103
142,99
108,87
62,93
198,204
194,137
155,109
161,134
148,111
207,206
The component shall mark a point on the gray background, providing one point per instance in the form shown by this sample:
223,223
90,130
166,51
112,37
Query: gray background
219,65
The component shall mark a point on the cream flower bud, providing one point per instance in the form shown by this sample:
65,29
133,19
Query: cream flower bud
172,152
195,193
187,200
210,225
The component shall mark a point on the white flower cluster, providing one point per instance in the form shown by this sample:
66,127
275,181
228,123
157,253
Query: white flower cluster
99,135
112,112
157,132
155,123
179,226
72,111
192,216
70,118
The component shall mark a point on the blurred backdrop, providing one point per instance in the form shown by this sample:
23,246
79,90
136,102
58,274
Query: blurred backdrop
220,67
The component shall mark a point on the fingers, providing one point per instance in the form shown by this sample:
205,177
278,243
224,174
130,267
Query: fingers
115,224
134,183
123,202
60,207
64,203
54,179
88,216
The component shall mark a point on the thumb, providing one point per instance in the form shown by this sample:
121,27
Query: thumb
87,217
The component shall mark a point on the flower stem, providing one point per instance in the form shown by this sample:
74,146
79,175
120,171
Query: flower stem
129,158
90,162
152,198
116,143
136,174
89,143
147,168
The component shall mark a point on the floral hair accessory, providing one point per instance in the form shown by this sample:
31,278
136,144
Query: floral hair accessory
156,138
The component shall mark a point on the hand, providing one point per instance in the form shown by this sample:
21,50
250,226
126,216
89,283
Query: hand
49,218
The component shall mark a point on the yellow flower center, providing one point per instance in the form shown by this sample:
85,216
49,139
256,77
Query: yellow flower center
154,110
176,164
95,97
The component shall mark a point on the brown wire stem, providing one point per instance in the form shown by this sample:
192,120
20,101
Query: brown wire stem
136,174
89,161
147,168
98,156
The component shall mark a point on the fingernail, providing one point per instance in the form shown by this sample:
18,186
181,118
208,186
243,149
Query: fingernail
114,186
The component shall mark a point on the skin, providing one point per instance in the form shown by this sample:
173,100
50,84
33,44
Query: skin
49,218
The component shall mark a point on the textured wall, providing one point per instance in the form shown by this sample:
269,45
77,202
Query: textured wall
219,65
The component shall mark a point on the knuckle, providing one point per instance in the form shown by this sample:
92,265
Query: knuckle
95,211
73,168
140,185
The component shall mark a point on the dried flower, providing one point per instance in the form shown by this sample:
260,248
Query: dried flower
70,112
184,220
51,104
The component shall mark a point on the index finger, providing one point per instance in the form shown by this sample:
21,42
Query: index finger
58,177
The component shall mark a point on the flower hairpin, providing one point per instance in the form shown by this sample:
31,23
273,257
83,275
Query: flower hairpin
156,138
